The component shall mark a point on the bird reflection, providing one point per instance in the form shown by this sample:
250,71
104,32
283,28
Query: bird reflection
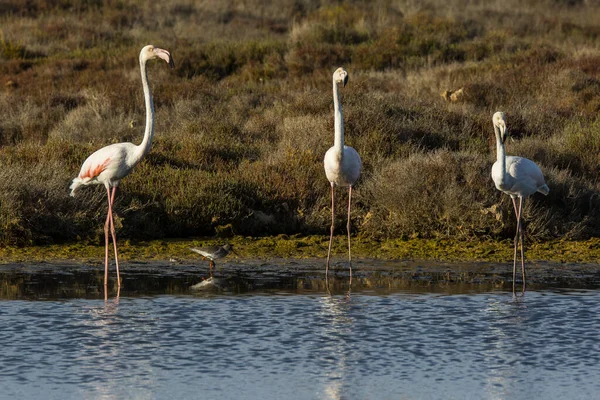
336,352
328,287
108,326
504,318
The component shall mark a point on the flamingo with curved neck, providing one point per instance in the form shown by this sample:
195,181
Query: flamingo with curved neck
108,165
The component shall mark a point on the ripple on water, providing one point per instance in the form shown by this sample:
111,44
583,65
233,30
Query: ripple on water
545,345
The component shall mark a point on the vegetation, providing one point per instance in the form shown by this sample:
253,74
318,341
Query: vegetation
313,247
244,120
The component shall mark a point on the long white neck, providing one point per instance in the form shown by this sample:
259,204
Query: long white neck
500,153
338,143
144,147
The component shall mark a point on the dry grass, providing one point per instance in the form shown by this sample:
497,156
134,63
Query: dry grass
244,120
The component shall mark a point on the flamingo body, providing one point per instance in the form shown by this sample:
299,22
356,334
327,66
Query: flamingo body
106,166
521,178
342,171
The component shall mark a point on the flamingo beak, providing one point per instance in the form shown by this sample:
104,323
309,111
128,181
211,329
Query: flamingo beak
503,132
345,81
165,55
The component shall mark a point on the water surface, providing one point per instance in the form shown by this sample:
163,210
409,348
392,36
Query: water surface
276,343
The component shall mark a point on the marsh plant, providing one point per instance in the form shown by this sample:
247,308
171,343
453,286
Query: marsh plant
244,121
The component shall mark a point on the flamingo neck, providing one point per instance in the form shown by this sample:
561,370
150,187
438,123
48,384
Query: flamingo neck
144,147
338,143
500,153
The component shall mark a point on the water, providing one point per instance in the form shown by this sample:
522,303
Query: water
282,343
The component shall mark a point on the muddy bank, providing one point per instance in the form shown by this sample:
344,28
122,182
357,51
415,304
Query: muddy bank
315,247
75,279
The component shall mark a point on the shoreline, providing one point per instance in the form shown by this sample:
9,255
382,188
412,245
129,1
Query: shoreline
296,264
315,247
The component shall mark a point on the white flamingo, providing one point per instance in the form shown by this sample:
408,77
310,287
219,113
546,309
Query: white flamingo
342,163
517,177
108,165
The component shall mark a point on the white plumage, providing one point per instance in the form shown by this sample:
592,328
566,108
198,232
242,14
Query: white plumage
342,163
107,166
110,164
518,177
342,172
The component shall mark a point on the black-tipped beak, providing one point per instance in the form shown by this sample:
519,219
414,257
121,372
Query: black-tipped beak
345,81
165,55
171,62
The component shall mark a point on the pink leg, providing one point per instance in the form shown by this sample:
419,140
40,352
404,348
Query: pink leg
515,206
348,228
330,232
518,237
106,225
114,235
516,242
521,202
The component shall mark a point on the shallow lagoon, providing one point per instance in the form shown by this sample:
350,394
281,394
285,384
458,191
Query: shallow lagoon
271,330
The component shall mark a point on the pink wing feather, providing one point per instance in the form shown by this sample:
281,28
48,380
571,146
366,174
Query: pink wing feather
91,169
94,169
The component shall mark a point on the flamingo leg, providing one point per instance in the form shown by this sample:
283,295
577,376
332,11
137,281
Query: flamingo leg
516,242
330,232
519,238
520,227
114,235
106,226
348,228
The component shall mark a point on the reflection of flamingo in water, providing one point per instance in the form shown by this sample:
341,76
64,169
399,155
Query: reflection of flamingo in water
112,163
340,324
517,177
342,163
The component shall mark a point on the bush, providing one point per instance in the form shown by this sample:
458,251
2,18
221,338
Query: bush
244,120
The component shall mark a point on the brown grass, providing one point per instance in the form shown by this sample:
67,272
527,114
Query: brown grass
244,120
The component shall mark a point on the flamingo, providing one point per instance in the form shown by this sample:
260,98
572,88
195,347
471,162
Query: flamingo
518,177
108,165
342,163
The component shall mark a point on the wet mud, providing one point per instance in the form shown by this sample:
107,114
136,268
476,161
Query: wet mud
85,280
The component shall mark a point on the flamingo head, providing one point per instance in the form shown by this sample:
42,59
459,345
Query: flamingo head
340,76
150,52
499,120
